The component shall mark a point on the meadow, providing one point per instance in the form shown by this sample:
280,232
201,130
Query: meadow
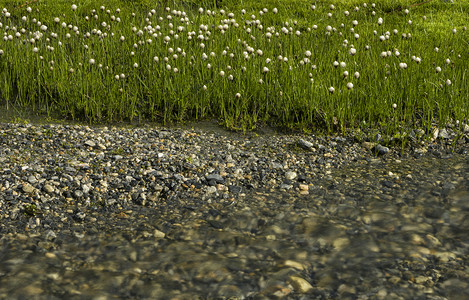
315,66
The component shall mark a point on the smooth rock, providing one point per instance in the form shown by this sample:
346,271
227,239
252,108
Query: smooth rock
300,285
304,144
290,175
381,150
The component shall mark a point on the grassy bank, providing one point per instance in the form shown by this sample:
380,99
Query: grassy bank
297,64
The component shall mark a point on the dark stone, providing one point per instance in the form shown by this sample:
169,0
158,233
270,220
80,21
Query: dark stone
234,189
381,150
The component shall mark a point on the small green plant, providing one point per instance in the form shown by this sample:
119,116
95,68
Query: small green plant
19,120
31,210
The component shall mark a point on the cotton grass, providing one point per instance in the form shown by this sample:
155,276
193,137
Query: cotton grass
181,63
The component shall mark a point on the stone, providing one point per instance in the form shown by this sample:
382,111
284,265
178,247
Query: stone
443,134
48,188
294,264
381,150
27,188
90,143
215,177
304,144
300,285
368,145
466,128
290,175
211,189
158,234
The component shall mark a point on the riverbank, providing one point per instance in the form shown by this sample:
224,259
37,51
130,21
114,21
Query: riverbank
158,212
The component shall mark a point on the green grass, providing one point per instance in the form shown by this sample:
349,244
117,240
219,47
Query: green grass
60,78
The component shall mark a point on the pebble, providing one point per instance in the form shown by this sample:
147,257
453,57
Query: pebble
300,285
305,144
290,175
381,150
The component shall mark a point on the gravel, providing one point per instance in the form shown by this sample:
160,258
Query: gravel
157,213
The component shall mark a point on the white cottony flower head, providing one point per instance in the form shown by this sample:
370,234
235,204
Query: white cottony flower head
352,51
238,95
436,49
329,28
265,70
350,85
92,61
356,75
331,89
406,11
275,10
448,82
74,7
394,105
345,74
259,52
204,87
335,64
454,30
343,64
418,59
354,22
447,61
332,7
380,21
308,53
222,73
403,65
438,69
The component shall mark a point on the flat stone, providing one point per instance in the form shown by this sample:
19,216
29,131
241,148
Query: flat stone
215,177
304,144
300,285
90,143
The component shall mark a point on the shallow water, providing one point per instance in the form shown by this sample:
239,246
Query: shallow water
374,229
